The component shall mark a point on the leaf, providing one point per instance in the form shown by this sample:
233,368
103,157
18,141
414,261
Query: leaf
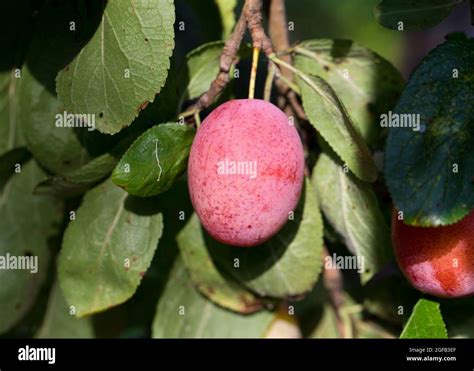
353,210
429,172
328,115
207,277
415,14
107,248
137,37
154,160
183,313
425,322
165,106
10,135
200,69
226,10
58,149
78,181
366,84
286,265
58,323
27,223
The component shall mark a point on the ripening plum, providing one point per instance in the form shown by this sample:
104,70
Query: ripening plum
245,171
439,260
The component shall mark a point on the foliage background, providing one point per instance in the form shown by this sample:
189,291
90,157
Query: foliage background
39,309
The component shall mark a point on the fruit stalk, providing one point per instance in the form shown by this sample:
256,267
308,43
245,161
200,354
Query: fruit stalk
253,72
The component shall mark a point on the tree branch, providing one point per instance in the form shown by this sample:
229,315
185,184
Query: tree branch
227,57
253,15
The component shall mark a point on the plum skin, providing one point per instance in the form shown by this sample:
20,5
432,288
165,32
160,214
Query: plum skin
247,208
439,260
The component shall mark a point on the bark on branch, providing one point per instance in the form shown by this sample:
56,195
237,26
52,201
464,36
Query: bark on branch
227,57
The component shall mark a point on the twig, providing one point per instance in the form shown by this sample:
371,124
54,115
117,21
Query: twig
227,57
253,15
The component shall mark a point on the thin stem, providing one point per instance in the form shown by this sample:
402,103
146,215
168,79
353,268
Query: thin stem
308,53
197,119
188,113
289,83
253,73
269,81
301,74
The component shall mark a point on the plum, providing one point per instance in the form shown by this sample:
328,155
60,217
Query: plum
438,260
245,171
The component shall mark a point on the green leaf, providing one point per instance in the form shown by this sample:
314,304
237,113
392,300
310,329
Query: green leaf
414,14
80,180
226,10
366,84
133,37
58,149
10,135
107,248
154,160
182,312
27,223
58,323
353,210
200,69
328,115
286,265
425,322
206,276
165,106
429,172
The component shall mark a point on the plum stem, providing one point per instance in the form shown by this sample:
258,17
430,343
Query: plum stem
253,72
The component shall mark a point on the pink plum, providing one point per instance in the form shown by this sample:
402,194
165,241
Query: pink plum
245,171
437,260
